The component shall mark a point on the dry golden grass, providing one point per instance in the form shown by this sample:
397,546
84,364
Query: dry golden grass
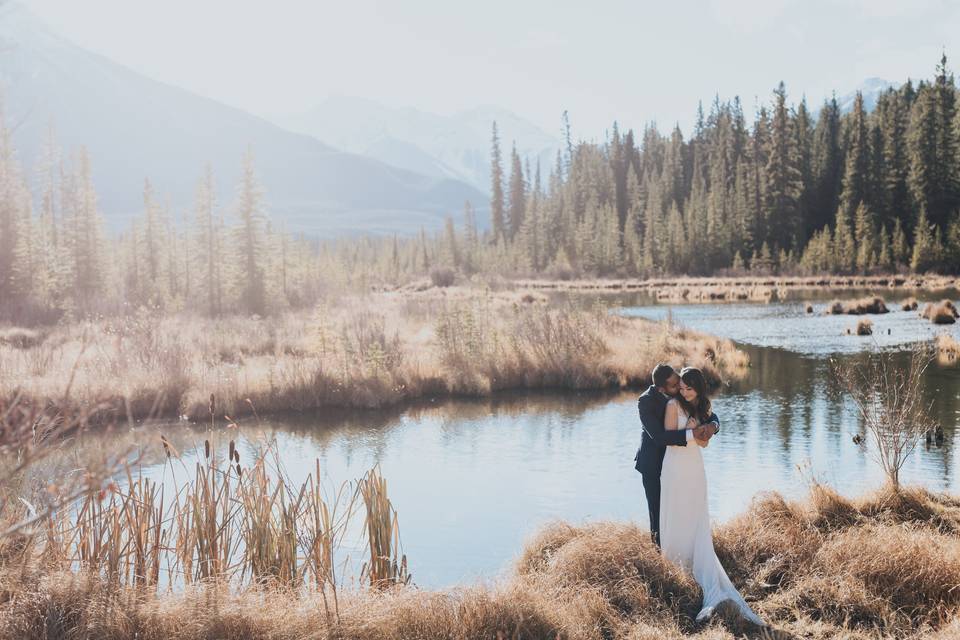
864,327
948,349
373,351
943,312
861,306
880,566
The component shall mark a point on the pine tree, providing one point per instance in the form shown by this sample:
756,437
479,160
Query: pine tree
924,246
450,240
518,195
856,175
885,255
893,124
900,248
206,245
783,179
865,238
250,240
86,241
496,189
845,253
827,166
924,177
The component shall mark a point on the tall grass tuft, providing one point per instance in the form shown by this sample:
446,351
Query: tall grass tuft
386,566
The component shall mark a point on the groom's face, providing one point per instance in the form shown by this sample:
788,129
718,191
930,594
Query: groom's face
672,386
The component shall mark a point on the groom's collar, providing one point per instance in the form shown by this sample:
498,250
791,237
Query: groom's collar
658,392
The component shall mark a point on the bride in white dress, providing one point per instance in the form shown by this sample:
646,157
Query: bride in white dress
684,514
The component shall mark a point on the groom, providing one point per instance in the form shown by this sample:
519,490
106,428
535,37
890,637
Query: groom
655,440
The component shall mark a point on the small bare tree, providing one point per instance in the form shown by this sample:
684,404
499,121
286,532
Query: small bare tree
889,399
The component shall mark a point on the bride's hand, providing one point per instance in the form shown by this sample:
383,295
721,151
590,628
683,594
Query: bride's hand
703,443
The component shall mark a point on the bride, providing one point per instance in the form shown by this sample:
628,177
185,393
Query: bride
684,514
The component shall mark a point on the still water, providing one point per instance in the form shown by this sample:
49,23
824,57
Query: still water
472,480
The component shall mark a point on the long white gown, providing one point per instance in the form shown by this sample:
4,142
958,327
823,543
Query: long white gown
685,535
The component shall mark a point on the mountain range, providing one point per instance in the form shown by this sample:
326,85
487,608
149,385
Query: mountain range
452,146
136,128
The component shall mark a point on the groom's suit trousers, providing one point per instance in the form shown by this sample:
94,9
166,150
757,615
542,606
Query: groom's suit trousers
651,486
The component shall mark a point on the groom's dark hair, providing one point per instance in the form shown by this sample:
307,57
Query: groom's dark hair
662,373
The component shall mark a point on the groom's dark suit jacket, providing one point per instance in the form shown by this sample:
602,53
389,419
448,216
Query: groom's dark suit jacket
655,440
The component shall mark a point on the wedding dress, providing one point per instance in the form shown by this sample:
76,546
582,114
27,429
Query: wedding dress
685,535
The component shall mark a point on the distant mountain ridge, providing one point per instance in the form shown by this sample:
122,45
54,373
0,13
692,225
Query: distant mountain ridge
455,146
136,128
871,88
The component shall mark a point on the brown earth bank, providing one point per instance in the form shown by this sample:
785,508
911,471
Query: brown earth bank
884,565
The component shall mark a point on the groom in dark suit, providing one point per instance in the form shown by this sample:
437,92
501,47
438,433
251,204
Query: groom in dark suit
656,438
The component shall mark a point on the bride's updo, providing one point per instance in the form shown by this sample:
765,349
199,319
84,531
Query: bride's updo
700,407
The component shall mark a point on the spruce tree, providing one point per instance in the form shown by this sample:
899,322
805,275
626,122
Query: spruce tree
518,195
924,247
250,240
856,178
498,227
784,187
865,238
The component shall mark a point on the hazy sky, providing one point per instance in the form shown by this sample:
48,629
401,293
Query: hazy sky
630,61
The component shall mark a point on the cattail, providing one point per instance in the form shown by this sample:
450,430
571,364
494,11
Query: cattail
166,444
232,450
206,448
239,471
213,405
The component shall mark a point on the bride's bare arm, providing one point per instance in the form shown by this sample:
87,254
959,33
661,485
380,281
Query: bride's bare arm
670,419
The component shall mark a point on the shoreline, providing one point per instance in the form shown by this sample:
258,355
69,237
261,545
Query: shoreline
806,282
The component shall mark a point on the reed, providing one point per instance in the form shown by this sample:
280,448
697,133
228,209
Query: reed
270,516
387,565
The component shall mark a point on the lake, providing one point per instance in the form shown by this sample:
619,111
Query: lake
472,480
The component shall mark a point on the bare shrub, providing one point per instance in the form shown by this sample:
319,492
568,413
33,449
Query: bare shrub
890,401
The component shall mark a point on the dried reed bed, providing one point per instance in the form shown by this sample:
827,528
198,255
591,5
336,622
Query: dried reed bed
864,327
880,566
943,312
948,349
860,306
365,352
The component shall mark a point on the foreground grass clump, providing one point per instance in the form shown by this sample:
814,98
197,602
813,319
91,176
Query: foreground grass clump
861,306
884,565
370,351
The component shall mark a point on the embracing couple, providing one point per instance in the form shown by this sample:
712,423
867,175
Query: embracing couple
677,422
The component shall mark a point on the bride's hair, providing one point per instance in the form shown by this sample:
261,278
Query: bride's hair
700,408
